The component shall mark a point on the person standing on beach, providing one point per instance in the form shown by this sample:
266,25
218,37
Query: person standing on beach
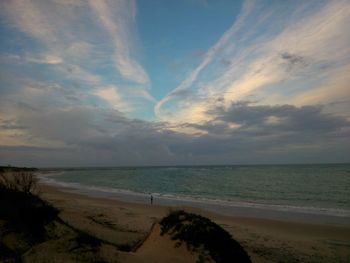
151,199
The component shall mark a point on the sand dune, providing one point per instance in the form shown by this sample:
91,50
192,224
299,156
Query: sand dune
159,249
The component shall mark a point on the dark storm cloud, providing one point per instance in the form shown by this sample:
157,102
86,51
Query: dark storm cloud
243,133
281,118
262,131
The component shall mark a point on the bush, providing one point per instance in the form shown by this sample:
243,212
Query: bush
200,233
21,181
21,207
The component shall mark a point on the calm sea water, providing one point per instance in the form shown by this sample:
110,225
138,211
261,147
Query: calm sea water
322,187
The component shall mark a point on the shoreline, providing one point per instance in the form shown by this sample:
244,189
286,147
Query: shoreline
266,240
227,208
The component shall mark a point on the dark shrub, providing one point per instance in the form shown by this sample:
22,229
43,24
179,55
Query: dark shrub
20,181
21,208
199,232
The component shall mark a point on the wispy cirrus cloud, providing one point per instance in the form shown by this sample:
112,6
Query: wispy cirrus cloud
208,57
304,47
112,96
52,28
67,36
49,59
116,18
334,88
273,88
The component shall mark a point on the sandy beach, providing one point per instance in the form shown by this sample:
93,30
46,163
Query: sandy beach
134,224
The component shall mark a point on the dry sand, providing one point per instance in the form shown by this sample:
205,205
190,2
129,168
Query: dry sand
131,224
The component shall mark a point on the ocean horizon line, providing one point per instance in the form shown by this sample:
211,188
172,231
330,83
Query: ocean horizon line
185,165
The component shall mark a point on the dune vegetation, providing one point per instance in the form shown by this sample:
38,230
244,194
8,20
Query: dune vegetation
30,227
204,236
33,230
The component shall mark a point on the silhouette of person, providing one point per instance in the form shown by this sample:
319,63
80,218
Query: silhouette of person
151,199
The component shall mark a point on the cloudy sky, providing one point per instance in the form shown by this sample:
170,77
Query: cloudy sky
122,82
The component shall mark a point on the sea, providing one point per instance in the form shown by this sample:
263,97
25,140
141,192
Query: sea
275,191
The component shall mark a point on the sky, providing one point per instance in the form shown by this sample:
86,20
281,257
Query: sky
186,82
